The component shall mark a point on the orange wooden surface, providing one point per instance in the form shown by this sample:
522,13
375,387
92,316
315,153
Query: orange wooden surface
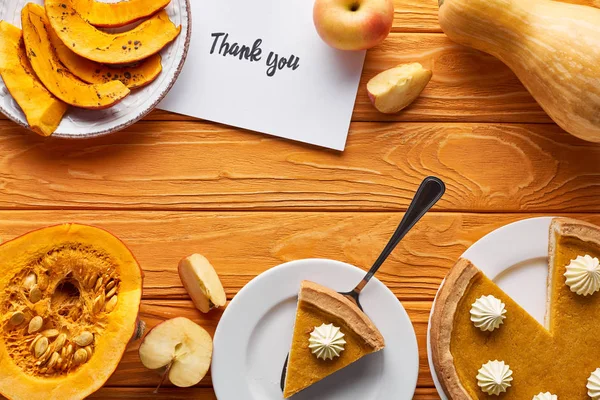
172,185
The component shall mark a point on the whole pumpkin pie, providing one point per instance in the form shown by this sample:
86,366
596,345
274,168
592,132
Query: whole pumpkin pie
558,358
322,311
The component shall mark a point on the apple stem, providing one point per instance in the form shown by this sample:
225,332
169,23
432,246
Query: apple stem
164,376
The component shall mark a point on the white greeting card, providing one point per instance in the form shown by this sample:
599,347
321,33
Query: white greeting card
261,65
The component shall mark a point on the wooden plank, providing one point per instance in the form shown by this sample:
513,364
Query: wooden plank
242,245
206,166
132,373
111,393
467,85
167,393
422,15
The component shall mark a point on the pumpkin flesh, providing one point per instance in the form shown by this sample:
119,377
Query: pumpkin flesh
42,110
134,77
146,39
68,267
552,47
114,15
54,75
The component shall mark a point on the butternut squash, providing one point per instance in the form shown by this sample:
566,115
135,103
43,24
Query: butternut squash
53,74
70,297
111,15
553,47
134,77
146,39
42,110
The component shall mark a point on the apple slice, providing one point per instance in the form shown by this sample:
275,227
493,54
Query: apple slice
181,346
202,283
396,88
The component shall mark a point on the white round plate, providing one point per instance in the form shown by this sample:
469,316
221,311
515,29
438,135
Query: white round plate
255,333
515,257
79,123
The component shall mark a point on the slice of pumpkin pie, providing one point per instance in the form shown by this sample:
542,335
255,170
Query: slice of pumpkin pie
485,345
330,333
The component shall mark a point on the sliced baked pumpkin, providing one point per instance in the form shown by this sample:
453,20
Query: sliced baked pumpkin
146,39
42,110
69,296
134,77
54,75
113,15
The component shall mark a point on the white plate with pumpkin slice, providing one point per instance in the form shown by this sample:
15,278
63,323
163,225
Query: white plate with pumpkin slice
515,257
85,123
254,335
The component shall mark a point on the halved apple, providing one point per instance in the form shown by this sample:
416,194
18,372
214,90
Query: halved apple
53,74
180,346
42,110
202,282
113,15
128,47
396,88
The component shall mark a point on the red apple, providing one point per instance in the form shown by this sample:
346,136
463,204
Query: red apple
353,24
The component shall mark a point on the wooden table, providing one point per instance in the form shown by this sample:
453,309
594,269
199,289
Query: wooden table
170,186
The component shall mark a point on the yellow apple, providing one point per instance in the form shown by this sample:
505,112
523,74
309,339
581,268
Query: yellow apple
353,24
396,88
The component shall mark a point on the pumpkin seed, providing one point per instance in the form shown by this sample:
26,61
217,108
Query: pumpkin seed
98,284
35,324
53,360
99,303
51,333
17,318
88,350
111,304
30,281
110,285
43,370
111,293
60,342
90,280
45,357
84,338
41,346
35,294
68,351
80,357
32,345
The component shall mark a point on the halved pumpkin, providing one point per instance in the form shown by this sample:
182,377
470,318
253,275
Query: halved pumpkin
42,110
69,300
112,15
134,77
146,39
54,75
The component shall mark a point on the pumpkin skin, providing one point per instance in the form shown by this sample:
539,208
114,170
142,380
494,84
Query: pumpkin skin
66,260
146,39
57,79
114,15
42,110
134,77
552,47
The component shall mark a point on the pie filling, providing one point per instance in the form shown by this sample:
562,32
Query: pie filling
558,360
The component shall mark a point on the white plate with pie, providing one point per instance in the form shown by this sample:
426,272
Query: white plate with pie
255,332
515,257
79,123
